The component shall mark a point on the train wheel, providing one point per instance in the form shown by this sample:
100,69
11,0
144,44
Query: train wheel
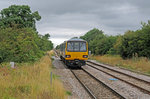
67,64
79,67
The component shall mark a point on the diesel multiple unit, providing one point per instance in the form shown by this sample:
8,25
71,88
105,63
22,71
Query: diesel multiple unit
74,52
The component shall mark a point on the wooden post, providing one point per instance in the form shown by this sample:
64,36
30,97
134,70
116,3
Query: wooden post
51,77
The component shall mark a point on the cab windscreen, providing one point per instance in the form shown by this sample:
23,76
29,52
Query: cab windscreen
76,46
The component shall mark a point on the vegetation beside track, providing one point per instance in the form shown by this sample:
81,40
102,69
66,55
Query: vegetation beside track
30,81
130,44
19,40
137,64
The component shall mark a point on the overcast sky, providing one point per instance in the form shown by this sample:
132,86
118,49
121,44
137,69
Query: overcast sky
64,19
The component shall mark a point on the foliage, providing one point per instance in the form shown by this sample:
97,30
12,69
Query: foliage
19,45
135,43
20,15
44,43
98,42
132,43
22,45
104,44
90,35
58,47
19,40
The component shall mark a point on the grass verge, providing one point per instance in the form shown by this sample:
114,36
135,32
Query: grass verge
137,64
30,81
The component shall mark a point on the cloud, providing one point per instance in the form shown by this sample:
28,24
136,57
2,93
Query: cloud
64,19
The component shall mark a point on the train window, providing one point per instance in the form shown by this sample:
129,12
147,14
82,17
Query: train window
70,46
82,46
76,46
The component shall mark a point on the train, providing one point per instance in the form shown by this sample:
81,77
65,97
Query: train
74,52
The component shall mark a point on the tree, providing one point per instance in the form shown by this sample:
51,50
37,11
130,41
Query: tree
19,45
90,35
46,36
135,43
101,45
19,40
18,15
44,43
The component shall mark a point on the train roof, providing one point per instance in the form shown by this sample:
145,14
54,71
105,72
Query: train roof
76,39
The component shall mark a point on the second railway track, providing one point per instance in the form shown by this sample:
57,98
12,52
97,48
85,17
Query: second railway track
134,81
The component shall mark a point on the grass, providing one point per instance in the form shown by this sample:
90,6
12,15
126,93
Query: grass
68,93
137,64
30,81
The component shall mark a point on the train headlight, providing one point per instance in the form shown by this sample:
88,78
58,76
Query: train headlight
67,56
85,56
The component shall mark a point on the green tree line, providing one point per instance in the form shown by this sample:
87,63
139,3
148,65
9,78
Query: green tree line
132,43
19,40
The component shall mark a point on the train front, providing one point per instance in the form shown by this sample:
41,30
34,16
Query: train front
76,53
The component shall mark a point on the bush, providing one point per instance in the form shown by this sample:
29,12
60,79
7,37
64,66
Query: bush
135,43
19,41
20,45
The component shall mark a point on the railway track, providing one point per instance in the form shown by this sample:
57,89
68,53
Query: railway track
95,88
99,89
141,84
